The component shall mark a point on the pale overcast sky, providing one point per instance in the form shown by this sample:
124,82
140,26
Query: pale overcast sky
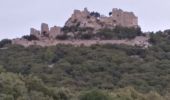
17,16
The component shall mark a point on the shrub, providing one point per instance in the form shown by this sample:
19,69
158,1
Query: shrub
95,95
105,34
119,33
5,42
125,32
95,14
30,37
62,37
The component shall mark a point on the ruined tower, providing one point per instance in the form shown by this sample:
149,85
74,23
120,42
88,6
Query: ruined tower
117,17
44,29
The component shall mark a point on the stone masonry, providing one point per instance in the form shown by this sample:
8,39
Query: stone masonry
117,17
54,31
46,31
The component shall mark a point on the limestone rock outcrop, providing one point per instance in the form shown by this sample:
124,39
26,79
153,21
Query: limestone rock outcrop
83,19
94,20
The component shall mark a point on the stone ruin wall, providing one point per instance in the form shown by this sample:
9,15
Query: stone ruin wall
140,41
125,19
118,17
47,35
51,32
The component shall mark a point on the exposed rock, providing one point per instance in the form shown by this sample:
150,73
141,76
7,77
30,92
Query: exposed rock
117,17
85,22
82,19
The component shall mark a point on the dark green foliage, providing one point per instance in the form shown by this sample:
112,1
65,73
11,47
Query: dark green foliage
30,37
5,42
119,33
78,32
86,36
95,14
95,95
110,13
76,29
124,32
99,66
87,33
66,29
35,73
62,37
106,34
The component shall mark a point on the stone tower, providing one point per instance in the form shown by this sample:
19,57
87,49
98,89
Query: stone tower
123,18
44,29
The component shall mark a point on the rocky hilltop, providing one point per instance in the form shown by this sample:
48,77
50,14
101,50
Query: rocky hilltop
88,28
117,17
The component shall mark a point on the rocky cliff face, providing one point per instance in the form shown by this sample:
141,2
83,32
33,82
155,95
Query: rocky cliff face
94,20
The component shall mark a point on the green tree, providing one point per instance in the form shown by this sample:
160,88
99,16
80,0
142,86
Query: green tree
95,95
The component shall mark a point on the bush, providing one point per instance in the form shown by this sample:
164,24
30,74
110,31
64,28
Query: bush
125,32
105,34
62,37
119,33
5,42
86,36
95,14
95,95
30,37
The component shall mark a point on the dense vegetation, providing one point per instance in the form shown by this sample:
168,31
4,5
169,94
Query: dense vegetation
119,33
99,72
30,37
87,33
5,42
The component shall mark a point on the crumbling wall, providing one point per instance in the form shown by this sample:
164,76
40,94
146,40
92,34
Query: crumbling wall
118,17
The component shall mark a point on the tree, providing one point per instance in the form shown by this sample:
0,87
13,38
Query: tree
62,37
5,42
110,13
95,14
95,95
12,86
106,34
30,37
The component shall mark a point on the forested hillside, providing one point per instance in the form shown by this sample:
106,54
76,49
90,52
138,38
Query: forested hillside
98,72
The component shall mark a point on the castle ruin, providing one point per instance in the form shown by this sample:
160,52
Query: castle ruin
94,20
84,19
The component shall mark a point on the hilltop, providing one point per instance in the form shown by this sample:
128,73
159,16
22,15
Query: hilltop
88,28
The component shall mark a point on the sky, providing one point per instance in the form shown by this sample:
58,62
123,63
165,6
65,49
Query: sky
18,16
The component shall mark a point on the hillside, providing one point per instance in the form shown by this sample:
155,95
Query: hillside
93,57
